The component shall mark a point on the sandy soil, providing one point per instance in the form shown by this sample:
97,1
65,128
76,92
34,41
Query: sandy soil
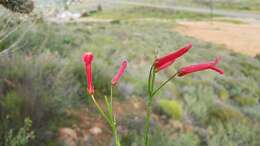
242,38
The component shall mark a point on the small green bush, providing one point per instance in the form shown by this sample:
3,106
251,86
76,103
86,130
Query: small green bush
224,113
252,111
11,106
18,137
187,139
171,107
38,88
23,136
223,94
246,101
160,137
257,56
233,134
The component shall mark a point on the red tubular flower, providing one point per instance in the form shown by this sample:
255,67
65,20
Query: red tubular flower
200,67
88,58
167,60
119,73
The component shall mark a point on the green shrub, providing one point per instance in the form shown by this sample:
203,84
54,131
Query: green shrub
257,56
252,111
233,134
23,136
12,104
171,107
157,138
223,94
187,139
198,98
224,113
17,137
38,88
164,138
245,101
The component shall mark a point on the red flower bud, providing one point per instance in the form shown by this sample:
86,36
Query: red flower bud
200,67
88,58
167,60
119,73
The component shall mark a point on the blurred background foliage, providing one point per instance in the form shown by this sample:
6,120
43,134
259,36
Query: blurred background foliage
42,78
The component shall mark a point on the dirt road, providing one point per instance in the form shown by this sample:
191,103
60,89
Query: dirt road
226,13
242,38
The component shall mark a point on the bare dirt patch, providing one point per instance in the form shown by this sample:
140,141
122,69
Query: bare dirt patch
92,130
242,38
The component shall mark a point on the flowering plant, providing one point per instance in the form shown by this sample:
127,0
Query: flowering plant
109,117
158,65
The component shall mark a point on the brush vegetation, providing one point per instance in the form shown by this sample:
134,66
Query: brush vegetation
42,77
19,6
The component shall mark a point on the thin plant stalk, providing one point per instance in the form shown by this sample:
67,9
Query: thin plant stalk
151,93
113,119
100,109
110,118
164,83
149,105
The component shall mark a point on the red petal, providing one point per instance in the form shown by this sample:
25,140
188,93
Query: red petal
120,72
88,58
220,71
167,60
200,67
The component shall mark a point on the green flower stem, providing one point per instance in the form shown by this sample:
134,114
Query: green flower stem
151,80
114,125
110,118
100,110
151,93
164,83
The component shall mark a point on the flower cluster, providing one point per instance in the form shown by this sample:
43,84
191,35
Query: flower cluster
200,67
165,61
108,116
158,65
88,58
